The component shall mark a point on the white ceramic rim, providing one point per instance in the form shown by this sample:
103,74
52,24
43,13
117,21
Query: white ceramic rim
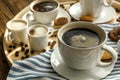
37,25
16,20
83,22
37,1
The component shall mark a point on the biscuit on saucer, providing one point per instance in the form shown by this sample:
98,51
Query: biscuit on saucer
87,18
106,57
59,22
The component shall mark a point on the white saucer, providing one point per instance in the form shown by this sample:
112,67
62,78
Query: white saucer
60,67
107,14
61,13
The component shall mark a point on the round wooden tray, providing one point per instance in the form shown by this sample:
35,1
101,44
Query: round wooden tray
16,53
21,51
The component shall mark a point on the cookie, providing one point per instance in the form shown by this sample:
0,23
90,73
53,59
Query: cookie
106,57
114,34
59,22
87,18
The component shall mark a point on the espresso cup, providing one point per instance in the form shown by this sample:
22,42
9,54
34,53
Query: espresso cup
82,44
17,29
94,7
43,11
38,37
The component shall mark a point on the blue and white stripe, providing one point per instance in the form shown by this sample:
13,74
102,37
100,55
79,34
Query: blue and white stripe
39,66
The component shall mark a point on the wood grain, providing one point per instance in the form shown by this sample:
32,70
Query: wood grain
8,9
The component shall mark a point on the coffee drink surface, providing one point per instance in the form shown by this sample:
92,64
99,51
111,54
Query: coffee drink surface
81,38
45,6
38,31
17,25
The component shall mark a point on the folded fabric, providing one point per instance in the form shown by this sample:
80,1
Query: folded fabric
39,67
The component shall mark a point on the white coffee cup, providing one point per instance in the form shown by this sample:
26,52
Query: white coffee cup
17,30
94,7
83,58
118,43
38,37
44,17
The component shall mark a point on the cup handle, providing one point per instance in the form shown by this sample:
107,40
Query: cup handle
9,37
50,31
30,17
113,54
108,3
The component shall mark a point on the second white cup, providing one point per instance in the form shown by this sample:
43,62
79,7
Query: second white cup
17,29
43,11
94,7
38,37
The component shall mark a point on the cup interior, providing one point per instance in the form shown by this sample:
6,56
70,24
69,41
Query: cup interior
37,30
16,25
85,25
44,5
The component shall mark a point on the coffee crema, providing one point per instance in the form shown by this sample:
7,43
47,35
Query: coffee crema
81,38
17,25
38,31
45,6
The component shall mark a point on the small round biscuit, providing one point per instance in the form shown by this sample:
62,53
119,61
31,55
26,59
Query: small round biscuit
60,22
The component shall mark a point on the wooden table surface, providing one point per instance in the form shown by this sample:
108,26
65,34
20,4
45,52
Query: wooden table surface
8,9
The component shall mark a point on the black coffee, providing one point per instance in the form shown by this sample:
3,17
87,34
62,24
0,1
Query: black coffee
81,38
45,6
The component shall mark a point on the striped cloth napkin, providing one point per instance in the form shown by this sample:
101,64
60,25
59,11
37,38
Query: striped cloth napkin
39,67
